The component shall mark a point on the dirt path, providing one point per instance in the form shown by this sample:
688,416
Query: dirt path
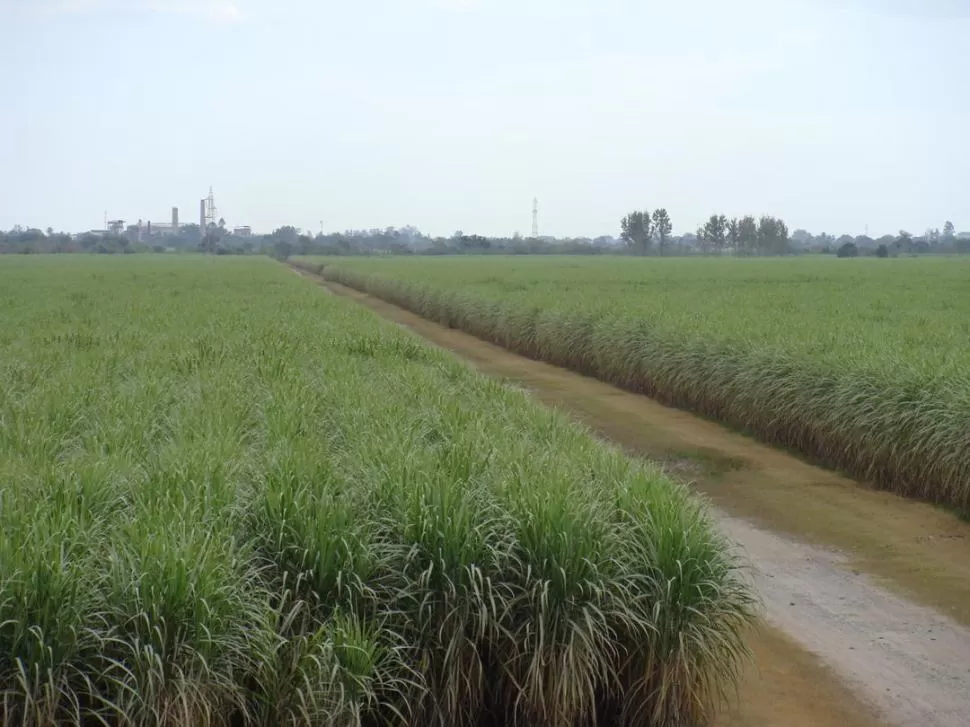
841,648
907,660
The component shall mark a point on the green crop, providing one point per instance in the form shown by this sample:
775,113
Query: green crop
862,364
228,498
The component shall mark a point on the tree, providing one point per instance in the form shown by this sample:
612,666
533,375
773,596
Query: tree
702,242
715,232
849,249
663,227
882,251
636,229
949,231
282,249
904,241
89,242
631,229
747,235
287,233
781,237
734,235
304,245
772,236
189,234
211,238
283,241
886,240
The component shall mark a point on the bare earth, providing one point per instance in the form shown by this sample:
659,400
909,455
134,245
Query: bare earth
866,595
907,660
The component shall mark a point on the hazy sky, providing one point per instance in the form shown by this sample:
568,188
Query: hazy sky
450,114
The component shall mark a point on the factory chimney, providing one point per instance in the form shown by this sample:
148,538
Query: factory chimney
175,220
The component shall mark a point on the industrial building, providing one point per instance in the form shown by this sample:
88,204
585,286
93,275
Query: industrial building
146,231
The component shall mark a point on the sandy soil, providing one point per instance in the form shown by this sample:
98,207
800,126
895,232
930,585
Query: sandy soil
867,595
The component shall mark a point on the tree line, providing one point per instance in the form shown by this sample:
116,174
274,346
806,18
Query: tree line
189,238
287,241
641,233
645,234
933,240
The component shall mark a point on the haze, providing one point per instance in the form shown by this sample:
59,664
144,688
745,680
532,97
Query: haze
454,114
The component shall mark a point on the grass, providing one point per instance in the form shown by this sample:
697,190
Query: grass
859,364
227,498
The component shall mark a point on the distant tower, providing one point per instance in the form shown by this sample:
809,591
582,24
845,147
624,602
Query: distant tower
208,220
175,220
535,217
211,214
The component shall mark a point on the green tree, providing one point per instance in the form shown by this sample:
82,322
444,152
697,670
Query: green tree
636,229
772,236
949,231
211,238
882,251
734,234
282,249
849,249
663,227
283,241
904,242
747,235
782,246
715,232
702,242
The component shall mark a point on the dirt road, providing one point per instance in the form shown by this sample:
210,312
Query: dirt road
905,659
867,596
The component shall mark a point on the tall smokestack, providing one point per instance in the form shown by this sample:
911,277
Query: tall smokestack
202,215
175,220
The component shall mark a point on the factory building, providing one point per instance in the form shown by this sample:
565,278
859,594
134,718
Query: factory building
147,231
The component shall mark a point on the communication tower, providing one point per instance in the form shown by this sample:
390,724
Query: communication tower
209,221
211,214
535,217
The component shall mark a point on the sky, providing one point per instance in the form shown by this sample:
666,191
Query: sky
839,116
